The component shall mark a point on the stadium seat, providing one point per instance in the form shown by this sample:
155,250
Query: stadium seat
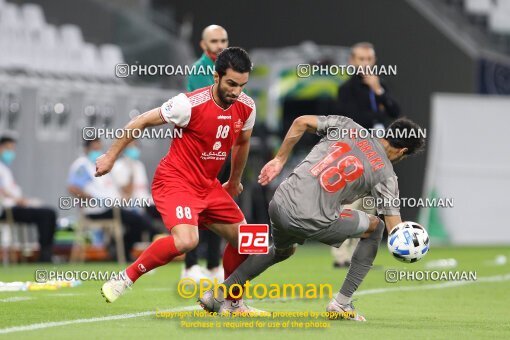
112,228
499,18
15,239
91,62
111,55
478,7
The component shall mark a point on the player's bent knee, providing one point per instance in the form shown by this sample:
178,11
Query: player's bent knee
185,238
374,226
186,244
283,254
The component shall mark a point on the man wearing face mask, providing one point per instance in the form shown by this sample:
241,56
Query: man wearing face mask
24,210
82,183
130,176
214,40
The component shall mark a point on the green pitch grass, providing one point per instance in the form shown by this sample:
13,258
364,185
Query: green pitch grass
427,310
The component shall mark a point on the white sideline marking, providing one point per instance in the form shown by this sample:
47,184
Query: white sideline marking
43,325
497,278
16,299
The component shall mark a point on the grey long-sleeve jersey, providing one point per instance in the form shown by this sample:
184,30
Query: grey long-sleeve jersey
337,171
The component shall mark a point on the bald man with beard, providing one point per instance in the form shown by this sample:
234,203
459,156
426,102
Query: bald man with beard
214,40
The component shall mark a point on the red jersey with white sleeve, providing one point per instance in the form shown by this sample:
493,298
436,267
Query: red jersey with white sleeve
185,183
208,134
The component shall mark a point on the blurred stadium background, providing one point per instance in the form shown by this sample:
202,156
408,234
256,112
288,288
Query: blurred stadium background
57,75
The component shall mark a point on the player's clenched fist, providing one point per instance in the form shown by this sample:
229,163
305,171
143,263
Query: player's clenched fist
233,189
104,164
270,171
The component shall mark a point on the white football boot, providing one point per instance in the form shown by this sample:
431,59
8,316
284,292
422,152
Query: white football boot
210,303
195,272
216,273
339,311
115,287
233,306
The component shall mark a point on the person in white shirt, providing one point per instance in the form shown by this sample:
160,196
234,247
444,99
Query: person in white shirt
130,176
82,183
24,210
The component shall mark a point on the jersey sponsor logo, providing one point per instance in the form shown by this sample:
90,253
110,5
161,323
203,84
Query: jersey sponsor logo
238,126
224,117
253,239
212,155
216,145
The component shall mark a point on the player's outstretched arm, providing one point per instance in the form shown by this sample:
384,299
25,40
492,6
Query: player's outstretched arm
105,162
240,152
298,128
391,221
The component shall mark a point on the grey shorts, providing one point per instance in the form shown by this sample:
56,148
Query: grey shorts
286,232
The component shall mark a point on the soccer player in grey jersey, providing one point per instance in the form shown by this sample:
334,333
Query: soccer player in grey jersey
344,166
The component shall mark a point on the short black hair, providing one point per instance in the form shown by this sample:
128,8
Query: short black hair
7,139
404,133
235,58
87,142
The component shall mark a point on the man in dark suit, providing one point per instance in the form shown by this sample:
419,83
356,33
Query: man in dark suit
363,97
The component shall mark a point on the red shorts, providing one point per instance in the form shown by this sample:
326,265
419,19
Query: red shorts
183,205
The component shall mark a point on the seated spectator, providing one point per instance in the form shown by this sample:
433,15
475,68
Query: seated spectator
131,177
82,183
24,210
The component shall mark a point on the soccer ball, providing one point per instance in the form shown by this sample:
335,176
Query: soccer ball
408,242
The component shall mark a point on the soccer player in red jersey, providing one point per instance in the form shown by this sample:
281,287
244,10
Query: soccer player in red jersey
214,120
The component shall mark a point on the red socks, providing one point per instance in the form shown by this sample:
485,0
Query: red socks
231,260
159,253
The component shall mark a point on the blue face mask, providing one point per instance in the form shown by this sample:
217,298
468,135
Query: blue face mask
8,156
132,152
93,155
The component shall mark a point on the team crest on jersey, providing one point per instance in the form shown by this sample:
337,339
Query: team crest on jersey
216,145
238,125
168,106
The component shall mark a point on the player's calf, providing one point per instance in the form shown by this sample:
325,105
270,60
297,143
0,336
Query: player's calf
372,226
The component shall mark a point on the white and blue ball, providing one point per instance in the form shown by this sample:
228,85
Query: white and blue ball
408,242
